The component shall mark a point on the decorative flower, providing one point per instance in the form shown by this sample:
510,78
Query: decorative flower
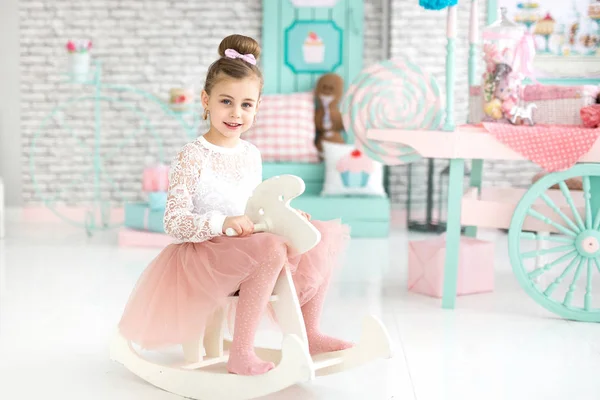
79,46
590,116
507,105
490,52
507,55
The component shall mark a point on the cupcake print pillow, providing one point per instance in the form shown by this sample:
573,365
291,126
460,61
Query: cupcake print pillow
348,171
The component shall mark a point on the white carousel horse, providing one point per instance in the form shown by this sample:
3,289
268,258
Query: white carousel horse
525,113
204,375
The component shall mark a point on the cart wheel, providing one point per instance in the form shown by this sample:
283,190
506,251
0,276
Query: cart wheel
563,283
73,138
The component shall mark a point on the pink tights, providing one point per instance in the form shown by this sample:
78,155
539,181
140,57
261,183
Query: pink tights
253,298
311,311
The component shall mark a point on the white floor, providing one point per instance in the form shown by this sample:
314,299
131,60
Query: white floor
61,296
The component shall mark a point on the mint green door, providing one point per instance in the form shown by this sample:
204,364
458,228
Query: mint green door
293,58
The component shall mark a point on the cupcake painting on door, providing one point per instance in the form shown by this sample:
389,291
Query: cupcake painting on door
313,46
313,49
355,169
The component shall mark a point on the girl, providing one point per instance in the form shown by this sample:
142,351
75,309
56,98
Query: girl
211,180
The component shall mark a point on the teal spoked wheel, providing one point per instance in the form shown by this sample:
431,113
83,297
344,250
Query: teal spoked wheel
391,94
72,163
567,281
87,156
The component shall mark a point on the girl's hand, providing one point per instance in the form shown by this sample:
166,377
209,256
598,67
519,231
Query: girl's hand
241,224
304,214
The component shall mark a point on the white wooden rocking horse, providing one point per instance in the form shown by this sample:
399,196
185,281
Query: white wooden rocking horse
204,376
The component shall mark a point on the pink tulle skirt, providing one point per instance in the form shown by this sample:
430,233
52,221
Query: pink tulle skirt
187,282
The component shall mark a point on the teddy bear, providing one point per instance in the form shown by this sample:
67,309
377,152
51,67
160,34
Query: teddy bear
328,118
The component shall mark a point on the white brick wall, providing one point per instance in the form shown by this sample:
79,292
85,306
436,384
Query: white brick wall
421,35
155,45
151,44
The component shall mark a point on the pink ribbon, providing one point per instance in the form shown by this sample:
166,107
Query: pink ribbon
512,35
524,53
249,58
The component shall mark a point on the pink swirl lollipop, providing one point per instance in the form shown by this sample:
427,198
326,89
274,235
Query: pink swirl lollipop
392,94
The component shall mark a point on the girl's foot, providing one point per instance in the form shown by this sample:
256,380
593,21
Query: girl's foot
319,343
247,363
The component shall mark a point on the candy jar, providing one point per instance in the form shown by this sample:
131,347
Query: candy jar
503,75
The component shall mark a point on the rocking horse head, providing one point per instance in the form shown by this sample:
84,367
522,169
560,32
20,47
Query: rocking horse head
269,208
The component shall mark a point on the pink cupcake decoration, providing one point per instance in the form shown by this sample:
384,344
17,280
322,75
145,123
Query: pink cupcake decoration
313,49
355,169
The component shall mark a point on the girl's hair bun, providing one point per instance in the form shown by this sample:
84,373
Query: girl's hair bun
241,44
236,68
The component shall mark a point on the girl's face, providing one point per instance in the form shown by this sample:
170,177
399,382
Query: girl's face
232,105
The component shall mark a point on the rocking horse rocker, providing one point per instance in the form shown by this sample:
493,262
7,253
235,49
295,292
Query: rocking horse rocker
204,376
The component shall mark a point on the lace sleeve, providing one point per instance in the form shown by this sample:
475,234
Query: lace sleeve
180,222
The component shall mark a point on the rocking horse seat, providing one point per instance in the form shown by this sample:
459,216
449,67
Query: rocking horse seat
203,375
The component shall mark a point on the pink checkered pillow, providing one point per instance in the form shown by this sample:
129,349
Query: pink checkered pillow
285,128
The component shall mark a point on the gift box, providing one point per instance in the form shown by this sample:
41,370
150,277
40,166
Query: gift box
141,217
426,260
157,200
155,179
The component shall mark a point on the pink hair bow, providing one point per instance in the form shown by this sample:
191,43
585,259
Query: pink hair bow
249,58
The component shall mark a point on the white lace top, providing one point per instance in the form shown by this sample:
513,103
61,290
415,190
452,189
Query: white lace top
206,184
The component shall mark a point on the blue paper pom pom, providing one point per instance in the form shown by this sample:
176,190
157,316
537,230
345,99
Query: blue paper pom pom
437,4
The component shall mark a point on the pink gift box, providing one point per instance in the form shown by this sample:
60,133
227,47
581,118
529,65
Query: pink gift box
426,260
156,179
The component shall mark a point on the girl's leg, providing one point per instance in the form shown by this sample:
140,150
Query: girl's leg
253,298
311,311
